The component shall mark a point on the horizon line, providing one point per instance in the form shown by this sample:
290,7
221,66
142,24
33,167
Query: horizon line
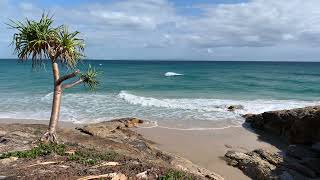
182,60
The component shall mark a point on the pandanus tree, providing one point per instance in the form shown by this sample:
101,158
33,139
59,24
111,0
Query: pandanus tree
40,41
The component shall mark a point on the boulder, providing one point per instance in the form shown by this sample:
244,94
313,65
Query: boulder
107,128
9,160
263,164
299,126
251,164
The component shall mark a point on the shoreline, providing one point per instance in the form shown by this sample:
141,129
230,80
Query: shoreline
205,148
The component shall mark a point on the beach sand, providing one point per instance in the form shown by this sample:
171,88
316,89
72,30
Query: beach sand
205,148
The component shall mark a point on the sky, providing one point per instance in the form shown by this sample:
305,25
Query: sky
224,30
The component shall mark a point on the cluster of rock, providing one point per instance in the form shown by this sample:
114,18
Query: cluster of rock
300,129
298,162
299,126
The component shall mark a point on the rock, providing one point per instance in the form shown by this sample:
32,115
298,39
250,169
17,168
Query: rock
107,164
312,163
22,134
107,128
234,107
133,122
316,147
301,169
3,140
299,152
272,158
142,175
286,176
251,164
139,144
9,160
301,163
70,152
119,176
299,126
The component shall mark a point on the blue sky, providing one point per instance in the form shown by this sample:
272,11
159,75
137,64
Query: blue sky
255,30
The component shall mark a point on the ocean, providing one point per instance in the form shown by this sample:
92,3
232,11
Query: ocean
196,92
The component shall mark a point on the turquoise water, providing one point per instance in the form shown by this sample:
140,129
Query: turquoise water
163,90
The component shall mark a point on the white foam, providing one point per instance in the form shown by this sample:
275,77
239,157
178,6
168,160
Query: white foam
216,105
88,108
168,74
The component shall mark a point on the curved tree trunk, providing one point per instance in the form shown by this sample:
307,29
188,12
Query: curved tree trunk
56,103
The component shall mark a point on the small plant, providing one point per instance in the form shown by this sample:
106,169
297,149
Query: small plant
175,175
41,150
90,157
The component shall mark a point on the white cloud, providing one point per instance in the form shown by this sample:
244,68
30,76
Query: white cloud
141,25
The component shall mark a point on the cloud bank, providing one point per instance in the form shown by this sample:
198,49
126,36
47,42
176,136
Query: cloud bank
160,29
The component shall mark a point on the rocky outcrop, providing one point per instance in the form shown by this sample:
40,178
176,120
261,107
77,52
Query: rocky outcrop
298,162
299,126
94,151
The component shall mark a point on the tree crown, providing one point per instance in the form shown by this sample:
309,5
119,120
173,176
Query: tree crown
40,40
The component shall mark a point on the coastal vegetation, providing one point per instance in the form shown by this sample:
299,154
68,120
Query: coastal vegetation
41,40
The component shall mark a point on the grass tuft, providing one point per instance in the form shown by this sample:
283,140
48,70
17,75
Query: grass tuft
41,150
91,158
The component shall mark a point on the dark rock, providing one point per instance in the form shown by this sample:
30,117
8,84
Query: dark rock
300,152
312,163
234,107
3,140
286,176
301,169
300,126
316,147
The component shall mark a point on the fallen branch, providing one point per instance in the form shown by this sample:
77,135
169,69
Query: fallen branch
45,163
114,176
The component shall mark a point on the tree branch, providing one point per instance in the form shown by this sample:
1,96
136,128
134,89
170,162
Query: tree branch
68,76
66,86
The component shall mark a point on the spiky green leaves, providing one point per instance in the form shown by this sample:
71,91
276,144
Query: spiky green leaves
90,78
70,47
40,39
34,38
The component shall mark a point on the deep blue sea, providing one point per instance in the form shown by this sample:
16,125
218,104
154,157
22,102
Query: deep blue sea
163,90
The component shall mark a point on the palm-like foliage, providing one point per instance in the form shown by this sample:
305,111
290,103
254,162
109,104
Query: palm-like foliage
70,48
34,38
90,78
41,40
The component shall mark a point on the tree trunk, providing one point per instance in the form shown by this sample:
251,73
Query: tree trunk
56,103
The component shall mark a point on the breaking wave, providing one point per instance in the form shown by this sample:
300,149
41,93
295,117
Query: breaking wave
216,105
168,74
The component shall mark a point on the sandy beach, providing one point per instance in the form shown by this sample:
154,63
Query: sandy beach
206,148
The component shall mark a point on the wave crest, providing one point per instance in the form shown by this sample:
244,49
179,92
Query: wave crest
216,105
168,74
